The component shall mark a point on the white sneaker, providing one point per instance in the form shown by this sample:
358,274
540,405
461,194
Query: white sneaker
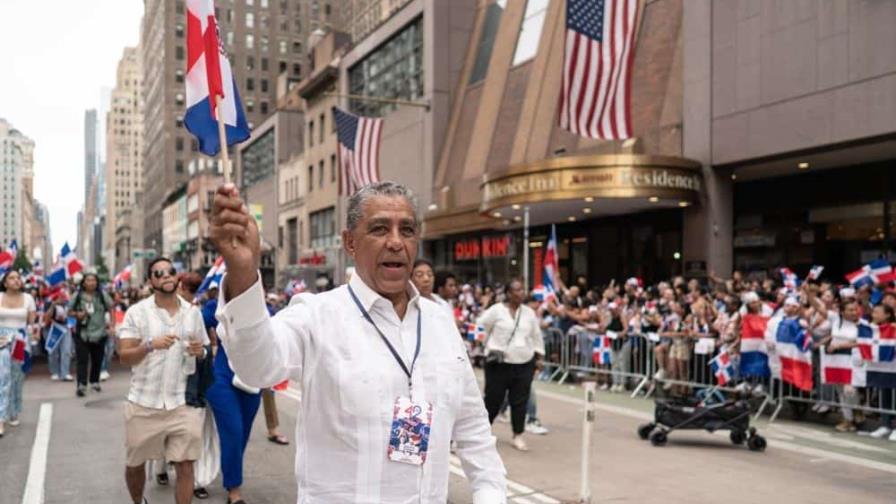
68,377
881,432
893,435
824,408
504,417
659,375
519,444
604,386
104,375
14,422
536,428
54,377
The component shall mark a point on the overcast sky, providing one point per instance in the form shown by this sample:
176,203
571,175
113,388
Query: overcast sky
58,55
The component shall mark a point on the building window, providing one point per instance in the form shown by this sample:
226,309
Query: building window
320,174
282,47
250,41
392,70
264,64
263,107
250,62
250,106
257,159
333,168
179,30
322,129
310,133
179,144
282,67
264,85
179,53
250,20
264,4
487,40
229,38
310,178
530,32
264,43
323,228
296,69
250,84
179,75
292,231
297,47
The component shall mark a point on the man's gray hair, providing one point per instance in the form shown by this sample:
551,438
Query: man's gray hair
386,188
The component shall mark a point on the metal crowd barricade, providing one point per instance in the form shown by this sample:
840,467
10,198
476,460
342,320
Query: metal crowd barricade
554,364
631,361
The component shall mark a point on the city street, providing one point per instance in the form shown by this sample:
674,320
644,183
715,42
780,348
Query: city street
85,456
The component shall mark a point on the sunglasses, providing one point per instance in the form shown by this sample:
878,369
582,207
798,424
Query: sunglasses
161,273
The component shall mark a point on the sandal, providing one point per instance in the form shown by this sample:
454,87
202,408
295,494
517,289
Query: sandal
278,439
200,493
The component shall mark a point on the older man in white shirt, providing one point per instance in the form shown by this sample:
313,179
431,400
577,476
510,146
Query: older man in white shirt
386,381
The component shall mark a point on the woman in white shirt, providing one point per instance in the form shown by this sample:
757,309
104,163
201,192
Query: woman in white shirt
844,331
17,311
513,349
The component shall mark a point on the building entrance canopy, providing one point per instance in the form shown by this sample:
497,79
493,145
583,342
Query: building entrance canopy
579,187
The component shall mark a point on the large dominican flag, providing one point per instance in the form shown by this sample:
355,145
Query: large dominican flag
209,76
753,350
793,346
877,343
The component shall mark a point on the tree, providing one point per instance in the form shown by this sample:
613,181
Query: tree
22,263
102,271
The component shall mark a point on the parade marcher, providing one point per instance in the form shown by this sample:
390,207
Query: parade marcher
445,291
513,351
60,359
366,445
423,278
91,308
17,313
160,338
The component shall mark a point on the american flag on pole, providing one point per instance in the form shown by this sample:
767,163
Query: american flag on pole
600,47
359,150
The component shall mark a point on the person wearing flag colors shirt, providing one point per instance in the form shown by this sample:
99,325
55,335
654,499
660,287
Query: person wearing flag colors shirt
883,316
844,332
386,382
60,359
17,314
513,351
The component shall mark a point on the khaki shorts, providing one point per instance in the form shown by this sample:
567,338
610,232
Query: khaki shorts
153,434
680,350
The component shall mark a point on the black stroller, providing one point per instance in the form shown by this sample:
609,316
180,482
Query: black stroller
692,413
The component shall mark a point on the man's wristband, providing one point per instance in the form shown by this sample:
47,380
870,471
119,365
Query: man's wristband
148,346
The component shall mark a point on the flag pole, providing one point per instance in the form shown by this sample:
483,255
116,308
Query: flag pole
222,139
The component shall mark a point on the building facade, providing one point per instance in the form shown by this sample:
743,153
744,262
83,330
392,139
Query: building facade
124,150
41,244
263,39
16,165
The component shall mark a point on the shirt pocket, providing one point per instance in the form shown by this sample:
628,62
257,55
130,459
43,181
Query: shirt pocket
447,374
361,392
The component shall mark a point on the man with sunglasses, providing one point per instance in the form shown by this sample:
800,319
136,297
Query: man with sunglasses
386,382
161,338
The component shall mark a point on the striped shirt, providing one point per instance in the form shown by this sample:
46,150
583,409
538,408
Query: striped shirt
160,380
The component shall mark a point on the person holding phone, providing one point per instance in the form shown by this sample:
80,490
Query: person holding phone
90,307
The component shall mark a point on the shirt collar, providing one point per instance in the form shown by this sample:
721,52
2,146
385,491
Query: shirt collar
368,296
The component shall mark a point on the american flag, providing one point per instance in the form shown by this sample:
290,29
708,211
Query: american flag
596,94
359,150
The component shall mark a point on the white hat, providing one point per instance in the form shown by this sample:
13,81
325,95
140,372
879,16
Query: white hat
212,285
847,292
791,301
749,297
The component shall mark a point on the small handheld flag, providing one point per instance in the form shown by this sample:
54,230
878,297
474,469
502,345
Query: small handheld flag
601,351
722,368
815,272
213,99
474,332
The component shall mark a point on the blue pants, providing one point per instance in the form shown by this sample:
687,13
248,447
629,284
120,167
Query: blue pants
234,412
107,357
5,380
17,384
60,359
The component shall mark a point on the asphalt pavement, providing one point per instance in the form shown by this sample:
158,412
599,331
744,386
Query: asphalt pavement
71,450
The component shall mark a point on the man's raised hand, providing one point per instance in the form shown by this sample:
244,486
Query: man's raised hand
234,233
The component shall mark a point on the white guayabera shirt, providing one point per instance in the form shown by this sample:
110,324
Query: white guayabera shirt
350,382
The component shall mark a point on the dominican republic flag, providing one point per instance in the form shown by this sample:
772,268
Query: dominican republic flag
789,278
877,343
793,346
208,77
215,274
600,352
474,332
551,266
54,336
753,350
21,350
359,150
880,268
860,277
294,287
595,97
8,256
839,368
122,277
70,261
722,368
815,272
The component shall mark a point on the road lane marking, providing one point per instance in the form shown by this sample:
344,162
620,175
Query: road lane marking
781,445
37,470
516,492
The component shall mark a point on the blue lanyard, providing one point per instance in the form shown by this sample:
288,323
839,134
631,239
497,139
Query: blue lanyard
398,358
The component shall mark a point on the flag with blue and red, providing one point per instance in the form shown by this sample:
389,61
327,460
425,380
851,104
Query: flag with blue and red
722,368
474,332
793,345
600,353
876,342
